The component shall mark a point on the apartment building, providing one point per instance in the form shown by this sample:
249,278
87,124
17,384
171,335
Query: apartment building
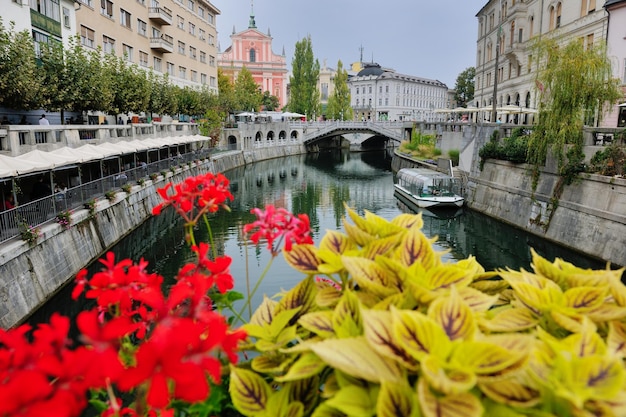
46,20
173,37
505,66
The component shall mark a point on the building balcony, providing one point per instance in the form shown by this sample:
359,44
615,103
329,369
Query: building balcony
164,44
517,10
516,48
160,15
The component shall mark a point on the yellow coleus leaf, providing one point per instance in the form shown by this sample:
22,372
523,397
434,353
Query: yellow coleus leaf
396,400
447,379
270,364
408,221
249,392
419,335
368,275
454,316
356,357
476,300
445,276
586,342
415,247
336,242
616,339
306,366
301,296
514,391
353,401
547,269
584,299
325,410
303,258
457,405
493,355
591,377
305,391
567,319
362,222
327,297
264,314
381,226
319,322
510,320
279,404
379,247
283,338
490,286
607,312
346,317
357,235
378,329
530,296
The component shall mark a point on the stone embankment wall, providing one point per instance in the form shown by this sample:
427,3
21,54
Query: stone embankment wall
31,275
589,216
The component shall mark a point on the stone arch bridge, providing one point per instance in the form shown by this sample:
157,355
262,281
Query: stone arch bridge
316,135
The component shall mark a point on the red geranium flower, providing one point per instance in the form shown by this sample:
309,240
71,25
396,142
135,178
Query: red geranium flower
276,223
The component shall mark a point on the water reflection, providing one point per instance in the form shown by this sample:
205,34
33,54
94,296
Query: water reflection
317,185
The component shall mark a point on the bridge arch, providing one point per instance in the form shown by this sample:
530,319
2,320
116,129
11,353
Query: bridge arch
282,135
270,135
294,134
232,142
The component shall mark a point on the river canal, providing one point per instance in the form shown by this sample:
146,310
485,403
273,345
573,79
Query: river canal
318,185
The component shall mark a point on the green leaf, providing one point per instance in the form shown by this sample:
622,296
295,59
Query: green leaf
355,357
353,401
249,392
307,366
346,318
396,400
319,322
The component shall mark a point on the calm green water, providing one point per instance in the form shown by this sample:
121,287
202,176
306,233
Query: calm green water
317,185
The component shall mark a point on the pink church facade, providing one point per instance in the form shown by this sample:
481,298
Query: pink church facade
253,49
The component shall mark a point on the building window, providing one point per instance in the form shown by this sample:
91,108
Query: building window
39,39
192,52
87,2
252,55
211,60
128,52
213,82
106,8
108,45
191,5
201,34
143,59
192,29
156,64
589,41
201,12
142,2
210,18
558,15
181,22
531,28
181,47
587,7
66,17
170,68
125,18
211,40
142,27
202,79
194,76
182,72
87,37
203,57
48,8
520,35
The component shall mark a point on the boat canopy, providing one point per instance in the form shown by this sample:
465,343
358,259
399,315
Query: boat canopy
426,178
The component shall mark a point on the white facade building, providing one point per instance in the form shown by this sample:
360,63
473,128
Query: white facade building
506,31
616,49
383,94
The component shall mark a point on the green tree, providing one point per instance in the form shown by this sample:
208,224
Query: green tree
574,82
96,89
339,102
227,101
304,95
247,92
20,79
130,84
464,87
162,95
270,102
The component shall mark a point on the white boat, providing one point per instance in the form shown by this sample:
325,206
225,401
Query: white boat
426,188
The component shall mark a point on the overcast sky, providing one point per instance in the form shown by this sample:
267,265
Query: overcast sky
429,39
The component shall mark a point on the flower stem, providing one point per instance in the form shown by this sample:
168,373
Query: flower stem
256,287
208,227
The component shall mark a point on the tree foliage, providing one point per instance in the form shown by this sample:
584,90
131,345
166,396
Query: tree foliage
304,95
247,92
575,83
464,87
20,79
339,102
269,101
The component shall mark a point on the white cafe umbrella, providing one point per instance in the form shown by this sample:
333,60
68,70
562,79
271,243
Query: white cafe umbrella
291,114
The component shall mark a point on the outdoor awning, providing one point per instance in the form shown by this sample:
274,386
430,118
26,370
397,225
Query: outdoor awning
79,154
99,153
11,167
49,159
